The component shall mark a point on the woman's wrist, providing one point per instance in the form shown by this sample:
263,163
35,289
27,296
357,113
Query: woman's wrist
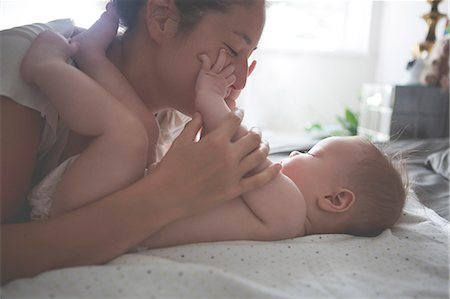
156,201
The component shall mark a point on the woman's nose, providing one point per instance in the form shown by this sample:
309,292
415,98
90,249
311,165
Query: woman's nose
241,74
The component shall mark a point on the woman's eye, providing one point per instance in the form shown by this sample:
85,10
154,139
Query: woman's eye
231,51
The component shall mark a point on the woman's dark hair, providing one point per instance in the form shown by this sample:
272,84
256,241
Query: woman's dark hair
191,11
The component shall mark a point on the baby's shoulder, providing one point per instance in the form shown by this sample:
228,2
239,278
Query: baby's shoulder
291,208
298,214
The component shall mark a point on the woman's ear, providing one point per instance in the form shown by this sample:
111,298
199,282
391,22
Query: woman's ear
340,201
161,19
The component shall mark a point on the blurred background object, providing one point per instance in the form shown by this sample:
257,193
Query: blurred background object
315,58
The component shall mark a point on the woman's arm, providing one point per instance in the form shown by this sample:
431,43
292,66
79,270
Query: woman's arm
189,180
20,134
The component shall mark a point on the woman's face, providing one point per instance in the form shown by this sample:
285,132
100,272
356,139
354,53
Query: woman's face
238,31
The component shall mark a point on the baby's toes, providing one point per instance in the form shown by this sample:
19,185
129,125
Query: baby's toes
99,35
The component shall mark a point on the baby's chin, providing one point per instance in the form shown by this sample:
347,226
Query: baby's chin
283,168
286,160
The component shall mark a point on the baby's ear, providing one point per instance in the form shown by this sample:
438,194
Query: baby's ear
340,201
161,19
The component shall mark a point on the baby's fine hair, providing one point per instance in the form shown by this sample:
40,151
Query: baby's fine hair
191,11
380,184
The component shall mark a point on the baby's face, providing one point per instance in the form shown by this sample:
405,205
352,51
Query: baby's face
324,167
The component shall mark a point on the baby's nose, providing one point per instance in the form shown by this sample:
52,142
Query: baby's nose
293,154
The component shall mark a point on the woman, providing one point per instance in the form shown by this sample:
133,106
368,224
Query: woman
162,68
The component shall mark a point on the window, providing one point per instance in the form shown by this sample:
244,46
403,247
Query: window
318,25
312,60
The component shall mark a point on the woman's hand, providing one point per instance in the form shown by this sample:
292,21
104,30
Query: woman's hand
206,173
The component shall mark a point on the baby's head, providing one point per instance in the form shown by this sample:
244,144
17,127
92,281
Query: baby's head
349,186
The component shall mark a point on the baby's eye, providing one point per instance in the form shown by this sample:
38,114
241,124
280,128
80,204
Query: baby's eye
231,51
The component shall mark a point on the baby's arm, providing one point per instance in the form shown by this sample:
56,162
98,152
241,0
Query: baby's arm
279,205
91,59
210,91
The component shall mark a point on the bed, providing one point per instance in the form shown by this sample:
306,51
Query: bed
408,261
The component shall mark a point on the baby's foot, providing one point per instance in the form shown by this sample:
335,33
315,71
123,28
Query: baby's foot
48,46
97,38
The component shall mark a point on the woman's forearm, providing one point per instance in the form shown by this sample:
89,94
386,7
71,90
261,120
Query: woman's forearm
262,200
90,235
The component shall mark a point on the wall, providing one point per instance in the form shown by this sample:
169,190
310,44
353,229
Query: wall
304,87
290,90
401,29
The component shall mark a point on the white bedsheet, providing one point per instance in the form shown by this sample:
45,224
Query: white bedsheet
408,261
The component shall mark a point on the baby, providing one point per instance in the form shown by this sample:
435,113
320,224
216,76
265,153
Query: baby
119,153
342,185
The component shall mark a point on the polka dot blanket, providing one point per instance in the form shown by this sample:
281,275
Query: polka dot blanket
408,261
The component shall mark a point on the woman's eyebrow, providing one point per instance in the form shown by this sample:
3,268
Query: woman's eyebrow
244,36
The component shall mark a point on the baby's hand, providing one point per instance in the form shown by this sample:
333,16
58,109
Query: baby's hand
214,81
46,48
234,93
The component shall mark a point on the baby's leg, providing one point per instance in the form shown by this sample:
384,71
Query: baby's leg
92,60
99,36
117,156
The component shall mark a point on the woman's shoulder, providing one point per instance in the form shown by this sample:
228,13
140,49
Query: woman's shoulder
14,43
